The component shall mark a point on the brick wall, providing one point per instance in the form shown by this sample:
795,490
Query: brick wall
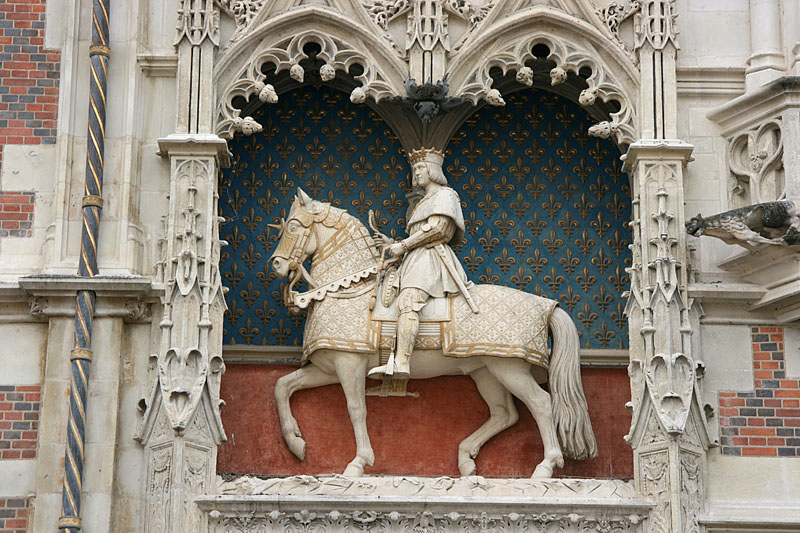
13,515
16,214
19,421
766,421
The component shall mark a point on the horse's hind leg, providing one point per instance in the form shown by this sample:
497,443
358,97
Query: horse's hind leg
516,376
307,377
352,371
502,415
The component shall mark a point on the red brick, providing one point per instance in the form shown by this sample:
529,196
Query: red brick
762,374
20,444
776,337
787,393
774,403
760,451
8,224
16,524
14,216
729,411
763,432
762,356
792,422
11,454
28,454
756,422
757,441
776,441
789,384
739,441
771,365
29,388
786,403
29,435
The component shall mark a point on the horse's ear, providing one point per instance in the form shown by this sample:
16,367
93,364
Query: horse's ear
303,197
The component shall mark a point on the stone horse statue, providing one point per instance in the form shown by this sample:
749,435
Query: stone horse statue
501,348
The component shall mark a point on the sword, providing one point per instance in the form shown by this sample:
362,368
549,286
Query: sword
451,269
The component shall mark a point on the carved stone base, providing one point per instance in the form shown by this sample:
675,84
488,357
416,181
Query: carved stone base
395,504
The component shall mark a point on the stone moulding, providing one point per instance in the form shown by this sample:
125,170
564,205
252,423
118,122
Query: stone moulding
473,503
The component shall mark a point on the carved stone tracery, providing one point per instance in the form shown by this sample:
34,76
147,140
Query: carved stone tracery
755,160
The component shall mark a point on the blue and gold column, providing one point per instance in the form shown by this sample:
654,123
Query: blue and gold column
81,355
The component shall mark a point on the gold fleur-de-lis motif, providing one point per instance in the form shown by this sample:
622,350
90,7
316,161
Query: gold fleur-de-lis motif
599,225
315,184
346,185
604,336
581,134
548,99
248,331
618,316
456,139
234,313
599,189
285,112
535,188
391,136
471,152
569,262
283,183
585,243
250,294
504,261
584,205
393,203
251,220
568,224
266,276
616,206
303,98
551,170
520,206
377,149
488,242
236,201
598,153
617,244
587,316
586,279
234,239
488,170
268,166
253,147
377,186
567,152
285,148
472,188
487,134
535,152
619,279
233,276
565,116
362,204
502,117
252,184
331,166
332,98
582,170
487,205
518,135
268,201
550,134
237,167
537,262
504,188
520,242
362,131
534,117
553,242
614,170
315,148
300,167
268,240
503,152
570,299
503,224
347,149
456,170
265,313
567,189
489,278
536,226
347,114
519,170
250,256
362,166
332,130
300,130
317,113
472,261
281,332
472,223
554,279
393,167
269,130
603,299
552,207
521,279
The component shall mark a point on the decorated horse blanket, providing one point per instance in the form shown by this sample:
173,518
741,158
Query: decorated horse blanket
511,323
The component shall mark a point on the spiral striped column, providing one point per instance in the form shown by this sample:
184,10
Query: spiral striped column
81,355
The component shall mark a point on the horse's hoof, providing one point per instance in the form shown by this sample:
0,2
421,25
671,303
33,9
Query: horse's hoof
353,470
542,472
298,447
467,468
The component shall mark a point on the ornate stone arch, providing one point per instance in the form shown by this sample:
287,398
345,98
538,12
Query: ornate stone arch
280,40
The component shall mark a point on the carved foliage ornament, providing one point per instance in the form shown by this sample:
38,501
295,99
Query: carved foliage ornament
755,159
382,11
287,55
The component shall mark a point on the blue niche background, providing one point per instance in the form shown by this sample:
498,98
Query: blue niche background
545,204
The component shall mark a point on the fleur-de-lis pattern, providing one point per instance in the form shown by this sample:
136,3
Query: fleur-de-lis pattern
545,206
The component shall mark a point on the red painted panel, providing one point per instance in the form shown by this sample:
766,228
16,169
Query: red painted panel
411,436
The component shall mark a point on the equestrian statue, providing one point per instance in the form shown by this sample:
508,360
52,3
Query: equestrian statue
369,316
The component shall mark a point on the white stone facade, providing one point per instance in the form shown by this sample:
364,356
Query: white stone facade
704,88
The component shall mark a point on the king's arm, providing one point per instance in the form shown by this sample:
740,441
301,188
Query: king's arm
435,229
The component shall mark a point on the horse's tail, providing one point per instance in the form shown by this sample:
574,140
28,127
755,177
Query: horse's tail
570,412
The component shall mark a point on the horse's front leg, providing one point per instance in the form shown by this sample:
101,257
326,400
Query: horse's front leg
307,377
352,370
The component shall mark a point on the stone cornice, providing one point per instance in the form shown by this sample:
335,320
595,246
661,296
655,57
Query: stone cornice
657,149
752,108
196,144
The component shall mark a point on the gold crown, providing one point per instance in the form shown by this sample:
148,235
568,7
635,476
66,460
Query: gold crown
428,155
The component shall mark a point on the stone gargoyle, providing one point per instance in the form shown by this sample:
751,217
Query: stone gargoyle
767,223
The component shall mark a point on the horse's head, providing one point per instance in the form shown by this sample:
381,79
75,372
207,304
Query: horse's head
296,239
